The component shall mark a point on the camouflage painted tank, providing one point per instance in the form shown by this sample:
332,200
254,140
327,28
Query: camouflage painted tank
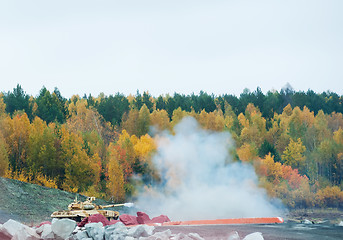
78,210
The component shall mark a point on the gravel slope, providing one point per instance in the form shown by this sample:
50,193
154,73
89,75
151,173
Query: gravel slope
30,203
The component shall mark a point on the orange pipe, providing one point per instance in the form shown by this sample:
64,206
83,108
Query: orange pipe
228,221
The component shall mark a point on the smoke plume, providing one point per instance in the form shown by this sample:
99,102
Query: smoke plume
199,180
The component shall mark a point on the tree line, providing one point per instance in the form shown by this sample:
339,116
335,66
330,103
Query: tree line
52,107
94,145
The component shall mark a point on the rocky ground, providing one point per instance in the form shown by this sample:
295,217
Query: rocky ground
316,215
67,229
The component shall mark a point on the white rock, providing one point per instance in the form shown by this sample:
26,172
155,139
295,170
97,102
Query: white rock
19,231
12,227
80,235
254,236
306,221
149,229
195,236
154,238
123,232
26,234
47,233
340,224
165,235
116,231
129,238
95,230
63,228
233,236
137,232
147,238
181,236
116,237
119,226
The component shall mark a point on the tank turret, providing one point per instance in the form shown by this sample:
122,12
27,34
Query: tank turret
78,210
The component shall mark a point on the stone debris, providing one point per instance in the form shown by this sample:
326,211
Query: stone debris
161,235
66,229
117,229
233,236
254,236
80,234
17,231
181,236
63,228
140,231
47,232
306,221
95,230
195,236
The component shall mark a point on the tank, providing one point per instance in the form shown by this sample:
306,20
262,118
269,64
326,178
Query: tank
79,210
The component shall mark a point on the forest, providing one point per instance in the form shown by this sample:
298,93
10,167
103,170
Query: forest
96,145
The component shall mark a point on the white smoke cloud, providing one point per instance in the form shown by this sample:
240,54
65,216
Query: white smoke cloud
200,180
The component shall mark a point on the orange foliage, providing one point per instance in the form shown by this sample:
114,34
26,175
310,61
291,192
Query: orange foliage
144,147
16,132
283,182
37,178
277,173
122,157
247,152
115,183
160,119
330,196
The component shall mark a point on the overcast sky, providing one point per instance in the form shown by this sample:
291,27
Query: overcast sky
183,46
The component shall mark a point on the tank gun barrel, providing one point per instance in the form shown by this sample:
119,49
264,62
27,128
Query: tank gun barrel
116,205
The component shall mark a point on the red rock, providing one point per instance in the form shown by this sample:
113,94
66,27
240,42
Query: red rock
143,218
128,219
83,222
160,219
98,218
94,219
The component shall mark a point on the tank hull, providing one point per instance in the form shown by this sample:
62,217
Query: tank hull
78,215
79,210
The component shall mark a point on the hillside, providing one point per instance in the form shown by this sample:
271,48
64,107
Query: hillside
31,203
